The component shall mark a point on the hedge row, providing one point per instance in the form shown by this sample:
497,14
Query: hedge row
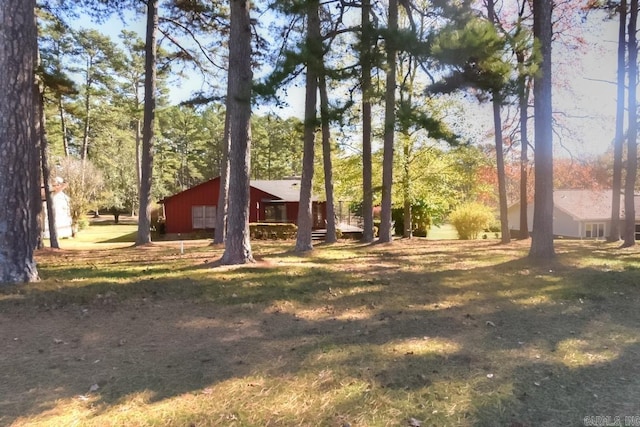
273,231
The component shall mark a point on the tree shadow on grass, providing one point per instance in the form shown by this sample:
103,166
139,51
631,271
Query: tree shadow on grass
553,394
124,238
428,336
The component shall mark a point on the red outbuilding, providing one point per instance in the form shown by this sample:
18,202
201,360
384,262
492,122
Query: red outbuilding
195,209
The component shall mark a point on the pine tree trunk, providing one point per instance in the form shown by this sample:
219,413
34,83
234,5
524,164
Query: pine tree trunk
138,152
408,219
148,127
524,155
237,245
542,239
497,126
632,145
331,236
616,185
19,165
84,152
406,187
220,233
63,126
46,172
305,214
367,187
502,186
386,229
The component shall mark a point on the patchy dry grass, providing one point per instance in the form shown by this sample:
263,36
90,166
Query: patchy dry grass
449,333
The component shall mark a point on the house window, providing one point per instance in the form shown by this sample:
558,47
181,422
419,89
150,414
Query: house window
275,213
203,217
594,230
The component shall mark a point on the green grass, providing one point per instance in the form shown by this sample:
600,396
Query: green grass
450,333
448,232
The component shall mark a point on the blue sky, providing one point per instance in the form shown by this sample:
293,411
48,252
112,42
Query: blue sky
587,103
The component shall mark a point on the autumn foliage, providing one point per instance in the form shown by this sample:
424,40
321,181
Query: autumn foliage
568,174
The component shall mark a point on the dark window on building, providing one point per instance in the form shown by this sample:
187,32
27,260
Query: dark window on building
275,212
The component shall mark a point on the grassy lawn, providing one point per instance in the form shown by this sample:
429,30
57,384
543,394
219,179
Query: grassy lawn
447,333
442,232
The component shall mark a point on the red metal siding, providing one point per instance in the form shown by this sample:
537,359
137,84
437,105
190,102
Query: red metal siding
292,211
177,208
256,205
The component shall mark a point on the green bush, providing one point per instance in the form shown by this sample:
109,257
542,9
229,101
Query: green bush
270,231
470,219
421,213
494,227
420,219
83,222
397,216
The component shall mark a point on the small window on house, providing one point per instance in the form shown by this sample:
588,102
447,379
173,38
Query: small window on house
594,230
203,217
275,213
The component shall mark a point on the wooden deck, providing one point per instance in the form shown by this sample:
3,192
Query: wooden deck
348,230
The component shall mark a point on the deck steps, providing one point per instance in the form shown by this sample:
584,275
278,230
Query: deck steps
318,234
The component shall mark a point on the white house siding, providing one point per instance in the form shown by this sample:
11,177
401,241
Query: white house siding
574,209
513,215
563,224
62,214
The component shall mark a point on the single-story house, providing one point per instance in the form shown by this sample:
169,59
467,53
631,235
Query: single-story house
194,209
62,211
582,214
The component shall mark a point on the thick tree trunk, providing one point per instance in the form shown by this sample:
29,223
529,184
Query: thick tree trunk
616,185
220,233
19,166
632,145
367,187
331,236
386,229
237,245
305,214
148,127
502,186
542,239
